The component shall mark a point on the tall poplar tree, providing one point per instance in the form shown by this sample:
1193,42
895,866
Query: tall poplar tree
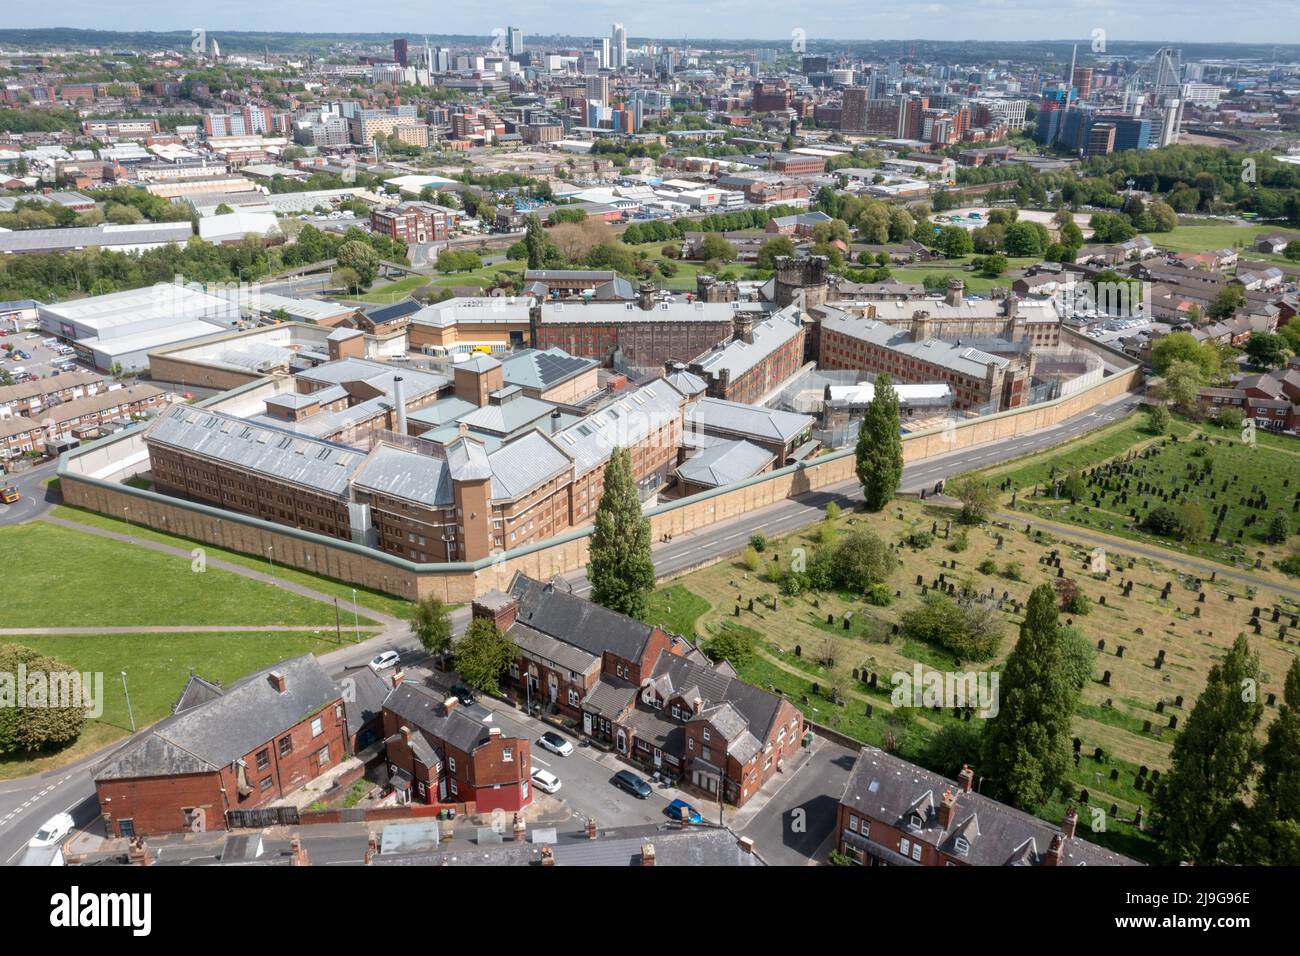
879,452
1200,801
1026,749
619,565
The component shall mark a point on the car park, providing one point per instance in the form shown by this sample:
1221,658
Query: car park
555,744
381,662
628,781
545,781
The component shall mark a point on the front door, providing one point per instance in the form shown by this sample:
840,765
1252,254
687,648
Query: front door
553,688
659,758
586,723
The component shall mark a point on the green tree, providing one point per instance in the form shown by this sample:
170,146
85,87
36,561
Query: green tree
1183,385
713,246
1279,529
1191,523
1275,817
483,655
1026,749
1266,350
362,259
1181,346
734,645
1199,801
1225,305
863,559
879,452
535,243
1158,419
27,730
430,623
977,496
619,564
771,250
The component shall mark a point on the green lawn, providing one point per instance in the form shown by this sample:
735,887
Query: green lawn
478,276
57,577
676,609
1208,235
392,291
372,600
156,667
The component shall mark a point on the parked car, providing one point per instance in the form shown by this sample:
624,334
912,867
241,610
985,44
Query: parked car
52,831
545,782
555,744
627,780
9,494
466,695
25,356
381,662
681,810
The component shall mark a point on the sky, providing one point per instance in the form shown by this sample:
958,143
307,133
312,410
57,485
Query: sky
1262,21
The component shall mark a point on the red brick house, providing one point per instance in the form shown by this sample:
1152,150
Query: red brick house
894,813
414,222
235,748
650,696
438,753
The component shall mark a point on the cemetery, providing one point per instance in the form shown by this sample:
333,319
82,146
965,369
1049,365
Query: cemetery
1153,631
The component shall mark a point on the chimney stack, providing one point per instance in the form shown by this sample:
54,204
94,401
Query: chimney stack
398,676
1053,855
372,849
592,831
449,704
747,845
645,296
1070,823
399,401
966,778
138,853
299,852
744,327
647,854
956,293
1010,304
697,705
548,856
406,734
947,808
277,681
921,326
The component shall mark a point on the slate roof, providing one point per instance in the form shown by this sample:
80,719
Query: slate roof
757,707
521,465
211,735
406,474
889,789
738,356
581,623
421,708
547,648
620,424
368,691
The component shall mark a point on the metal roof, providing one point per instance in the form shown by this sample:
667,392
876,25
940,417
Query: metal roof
407,475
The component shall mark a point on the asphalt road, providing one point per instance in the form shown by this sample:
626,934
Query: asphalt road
26,803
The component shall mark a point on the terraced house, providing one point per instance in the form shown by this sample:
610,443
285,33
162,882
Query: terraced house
650,696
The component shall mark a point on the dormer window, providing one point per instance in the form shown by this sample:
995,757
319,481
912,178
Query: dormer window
914,822
962,846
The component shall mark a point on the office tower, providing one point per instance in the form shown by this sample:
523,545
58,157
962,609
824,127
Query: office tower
1082,81
602,47
1166,73
514,41
620,46
400,51
1171,122
598,89
853,114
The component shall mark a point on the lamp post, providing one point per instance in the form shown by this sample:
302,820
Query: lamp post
356,621
129,712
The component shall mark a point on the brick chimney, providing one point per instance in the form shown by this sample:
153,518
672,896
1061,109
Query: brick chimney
519,829
299,852
746,845
1070,823
548,856
647,854
697,705
372,849
1053,855
494,731
645,296
922,328
744,327
399,675
406,734
592,831
956,293
277,681
947,808
138,853
966,778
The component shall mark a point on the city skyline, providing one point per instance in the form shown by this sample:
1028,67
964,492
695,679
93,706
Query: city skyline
765,20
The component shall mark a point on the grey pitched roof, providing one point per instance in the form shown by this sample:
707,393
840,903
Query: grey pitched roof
959,358
533,642
406,474
467,460
738,356
757,707
544,369
260,447
890,789
196,691
214,734
581,623
763,423
521,465
620,424
368,690
725,463
421,708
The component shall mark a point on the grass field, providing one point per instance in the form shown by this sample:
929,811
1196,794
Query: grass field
392,291
57,577
814,663
156,667
373,600
1208,465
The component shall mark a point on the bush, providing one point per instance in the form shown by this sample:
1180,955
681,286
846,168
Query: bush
758,541
861,560
751,560
735,645
1013,571
920,539
879,595
959,544
1161,521
988,566
1290,564
967,630
951,748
